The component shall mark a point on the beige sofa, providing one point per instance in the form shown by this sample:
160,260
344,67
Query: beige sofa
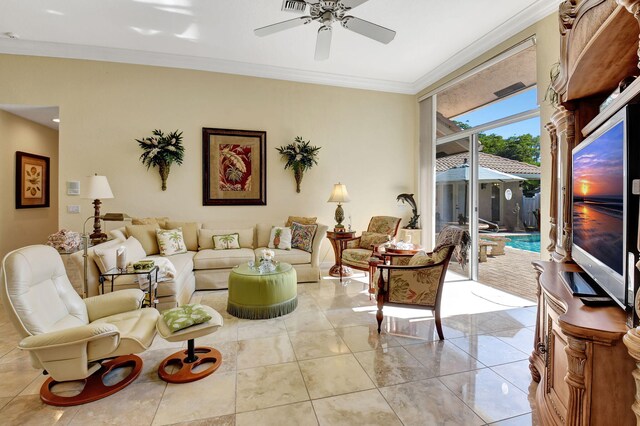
206,269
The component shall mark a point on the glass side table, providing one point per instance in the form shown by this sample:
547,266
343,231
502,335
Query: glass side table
152,286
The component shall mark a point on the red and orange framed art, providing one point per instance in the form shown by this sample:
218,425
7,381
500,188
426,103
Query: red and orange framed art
32,181
234,167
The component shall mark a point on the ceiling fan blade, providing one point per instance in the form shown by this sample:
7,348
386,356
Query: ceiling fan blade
323,43
368,29
281,26
350,4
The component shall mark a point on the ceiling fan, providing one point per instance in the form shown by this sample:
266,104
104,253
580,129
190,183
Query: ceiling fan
326,12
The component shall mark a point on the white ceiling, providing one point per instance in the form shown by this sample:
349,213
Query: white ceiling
434,37
40,114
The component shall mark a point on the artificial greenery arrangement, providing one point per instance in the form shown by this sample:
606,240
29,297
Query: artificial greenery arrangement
300,156
162,151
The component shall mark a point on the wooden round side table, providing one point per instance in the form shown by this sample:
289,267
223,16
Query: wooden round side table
339,242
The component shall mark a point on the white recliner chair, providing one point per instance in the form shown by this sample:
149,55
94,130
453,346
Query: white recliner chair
70,337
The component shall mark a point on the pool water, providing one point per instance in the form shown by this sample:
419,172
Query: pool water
529,242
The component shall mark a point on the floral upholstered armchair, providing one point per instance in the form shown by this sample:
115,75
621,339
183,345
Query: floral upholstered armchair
419,283
360,249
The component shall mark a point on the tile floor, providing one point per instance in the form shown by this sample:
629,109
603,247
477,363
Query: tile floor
322,364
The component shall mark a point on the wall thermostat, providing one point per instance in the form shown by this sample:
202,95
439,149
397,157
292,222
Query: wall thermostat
73,187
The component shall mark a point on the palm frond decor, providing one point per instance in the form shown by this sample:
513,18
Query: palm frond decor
160,150
300,156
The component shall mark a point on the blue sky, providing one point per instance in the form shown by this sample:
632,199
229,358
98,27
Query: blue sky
519,103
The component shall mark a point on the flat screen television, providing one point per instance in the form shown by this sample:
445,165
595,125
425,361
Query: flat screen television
603,216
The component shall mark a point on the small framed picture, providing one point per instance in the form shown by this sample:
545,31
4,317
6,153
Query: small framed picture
234,169
32,181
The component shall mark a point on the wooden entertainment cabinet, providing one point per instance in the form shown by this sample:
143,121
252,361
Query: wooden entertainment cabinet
584,357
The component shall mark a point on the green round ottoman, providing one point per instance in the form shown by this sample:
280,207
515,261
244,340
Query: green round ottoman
253,295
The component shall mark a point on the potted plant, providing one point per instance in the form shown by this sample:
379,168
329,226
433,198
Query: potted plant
160,150
300,156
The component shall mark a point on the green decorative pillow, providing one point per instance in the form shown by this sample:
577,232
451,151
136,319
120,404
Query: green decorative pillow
185,316
368,239
226,242
302,236
170,241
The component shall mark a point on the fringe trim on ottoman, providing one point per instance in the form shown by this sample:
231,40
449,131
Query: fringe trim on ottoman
262,312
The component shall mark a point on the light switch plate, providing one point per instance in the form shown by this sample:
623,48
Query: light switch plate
635,187
72,209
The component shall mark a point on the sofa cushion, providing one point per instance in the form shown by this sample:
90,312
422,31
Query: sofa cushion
189,232
219,259
106,257
146,234
282,236
301,220
206,233
170,241
293,256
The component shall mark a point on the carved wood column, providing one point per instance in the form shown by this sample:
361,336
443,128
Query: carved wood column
576,357
632,342
564,122
633,6
553,202
536,354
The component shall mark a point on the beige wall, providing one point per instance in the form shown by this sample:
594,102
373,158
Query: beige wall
547,53
368,138
21,227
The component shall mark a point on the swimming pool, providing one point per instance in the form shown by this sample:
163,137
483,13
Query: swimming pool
530,242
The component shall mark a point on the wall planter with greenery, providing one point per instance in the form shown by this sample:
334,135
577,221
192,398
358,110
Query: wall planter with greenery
160,150
300,156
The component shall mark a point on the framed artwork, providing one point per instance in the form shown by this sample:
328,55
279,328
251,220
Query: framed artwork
234,167
32,181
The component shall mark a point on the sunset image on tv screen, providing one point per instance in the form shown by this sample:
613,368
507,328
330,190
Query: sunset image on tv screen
598,198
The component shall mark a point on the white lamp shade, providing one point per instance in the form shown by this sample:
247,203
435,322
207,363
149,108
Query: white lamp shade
98,188
339,194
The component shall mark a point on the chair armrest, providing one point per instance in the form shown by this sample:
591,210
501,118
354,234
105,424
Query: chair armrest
409,267
114,303
352,242
67,337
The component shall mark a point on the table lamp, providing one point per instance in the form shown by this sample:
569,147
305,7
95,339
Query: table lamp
109,217
98,188
339,195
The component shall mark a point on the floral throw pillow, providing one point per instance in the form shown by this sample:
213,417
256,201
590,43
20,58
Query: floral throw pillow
185,316
280,238
170,241
302,236
226,242
369,239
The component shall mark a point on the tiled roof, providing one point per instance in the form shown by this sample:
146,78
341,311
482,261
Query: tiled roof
490,161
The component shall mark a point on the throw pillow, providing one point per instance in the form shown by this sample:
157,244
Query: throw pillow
302,236
280,238
189,233
208,230
146,234
226,242
185,316
301,220
369,239
170,241
421,258
106,258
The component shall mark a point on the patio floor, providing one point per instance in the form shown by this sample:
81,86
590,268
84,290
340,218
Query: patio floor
511,272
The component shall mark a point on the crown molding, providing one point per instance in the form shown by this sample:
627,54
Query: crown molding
527,17
519,22
138,57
